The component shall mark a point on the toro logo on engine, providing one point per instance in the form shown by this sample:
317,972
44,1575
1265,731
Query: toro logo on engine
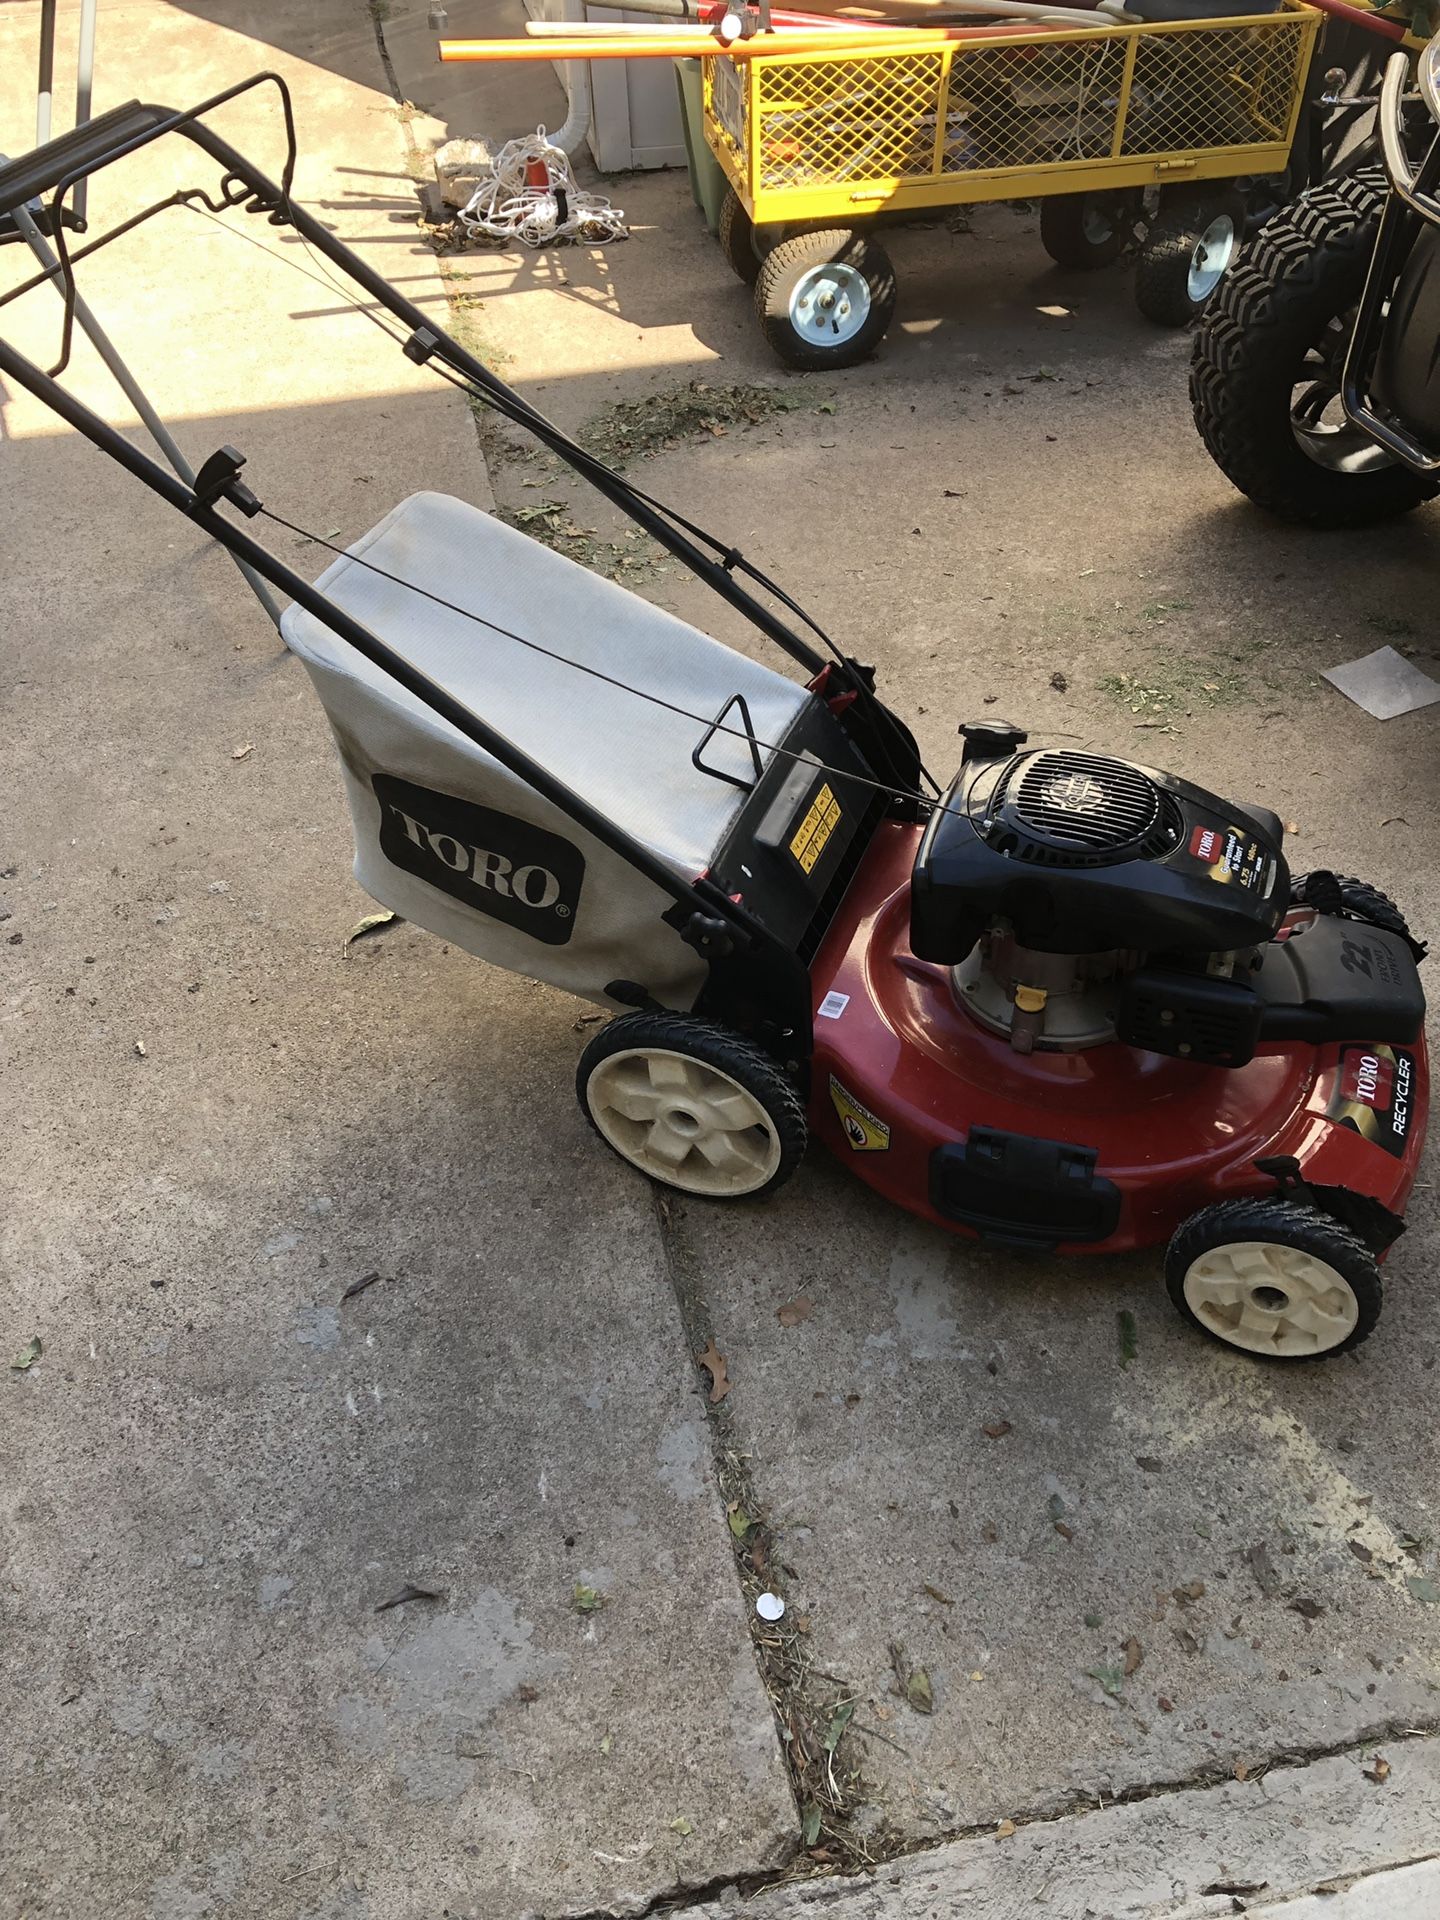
516,872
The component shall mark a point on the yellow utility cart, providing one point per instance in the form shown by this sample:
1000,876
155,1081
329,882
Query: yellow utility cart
1166,120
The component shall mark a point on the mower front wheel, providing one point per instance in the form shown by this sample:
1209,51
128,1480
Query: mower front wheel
1274,1279
692,1105
825,299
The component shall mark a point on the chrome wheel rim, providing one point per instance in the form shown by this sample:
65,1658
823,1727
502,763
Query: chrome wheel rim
1317,412
1210,261
830,304
683,1122
1267,1298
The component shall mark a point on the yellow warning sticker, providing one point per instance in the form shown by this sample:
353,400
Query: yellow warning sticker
865,1131
815,829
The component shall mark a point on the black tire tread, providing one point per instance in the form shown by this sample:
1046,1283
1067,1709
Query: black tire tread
1062,234
1270,1218
1164,263
736,235
716,1046
1306,265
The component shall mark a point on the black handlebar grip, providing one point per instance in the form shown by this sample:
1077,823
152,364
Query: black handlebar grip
82,149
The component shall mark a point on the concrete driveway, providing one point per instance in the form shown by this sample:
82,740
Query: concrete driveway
222,1118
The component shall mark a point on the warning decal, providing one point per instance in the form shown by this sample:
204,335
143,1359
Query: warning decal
865,1131
1234,857
815,829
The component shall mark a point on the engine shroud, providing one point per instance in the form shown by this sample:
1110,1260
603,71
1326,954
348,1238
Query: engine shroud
1077,853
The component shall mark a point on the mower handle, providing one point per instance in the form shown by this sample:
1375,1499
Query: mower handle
81,150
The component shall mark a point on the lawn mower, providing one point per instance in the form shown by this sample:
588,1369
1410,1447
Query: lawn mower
1067,1004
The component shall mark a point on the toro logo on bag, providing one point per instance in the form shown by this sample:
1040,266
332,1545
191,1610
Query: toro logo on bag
511,869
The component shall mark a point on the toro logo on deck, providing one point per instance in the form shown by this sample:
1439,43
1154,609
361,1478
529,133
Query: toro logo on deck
511,869
1370,1079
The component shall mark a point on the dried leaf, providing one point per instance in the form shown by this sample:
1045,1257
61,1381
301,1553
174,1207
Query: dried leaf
839,1720
587,1599
408,1593
243,752
27,1355
1147,1463
1360,1551
1005,1829
740,1522
713,1362
810,1823
359,1286
1134,1654
936,1594
1240,1887
794,1311
607,1741
996,1430
1380,1772
1129,1336
371,924
1421,1586
919,1692
1109,1678
681,1826
1310,1609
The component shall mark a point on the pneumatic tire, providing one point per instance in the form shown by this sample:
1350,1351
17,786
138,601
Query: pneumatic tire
1268,361
1186,257
1273,1279
692,1105
1083,231
825,299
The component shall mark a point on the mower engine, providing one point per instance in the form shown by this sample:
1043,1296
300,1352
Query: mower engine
1081,900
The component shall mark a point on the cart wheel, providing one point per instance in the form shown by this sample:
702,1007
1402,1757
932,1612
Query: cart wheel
825,299
1269,356
1274,1279
736,235
1186,255
1083,230
692,1105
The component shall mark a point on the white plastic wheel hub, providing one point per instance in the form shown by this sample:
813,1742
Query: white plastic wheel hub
683,1122
830,304
1097,226
1211,258
1271,1299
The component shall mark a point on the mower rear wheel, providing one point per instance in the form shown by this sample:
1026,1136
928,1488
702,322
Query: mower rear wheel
692,1105
825,299
1274,1279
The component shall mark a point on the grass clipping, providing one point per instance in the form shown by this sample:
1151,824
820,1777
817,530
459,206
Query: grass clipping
639,429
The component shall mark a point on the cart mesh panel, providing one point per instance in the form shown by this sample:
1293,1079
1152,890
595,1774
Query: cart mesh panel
728,97
1028,106
850,121
1232,87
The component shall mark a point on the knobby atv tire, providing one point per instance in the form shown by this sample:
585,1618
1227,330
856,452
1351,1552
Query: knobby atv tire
1286,1224
1306,268
781,273
712,1045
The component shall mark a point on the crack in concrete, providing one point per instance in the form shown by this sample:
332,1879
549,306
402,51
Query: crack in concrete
812,1708
683,1900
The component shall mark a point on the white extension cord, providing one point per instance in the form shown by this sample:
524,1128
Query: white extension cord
530,195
